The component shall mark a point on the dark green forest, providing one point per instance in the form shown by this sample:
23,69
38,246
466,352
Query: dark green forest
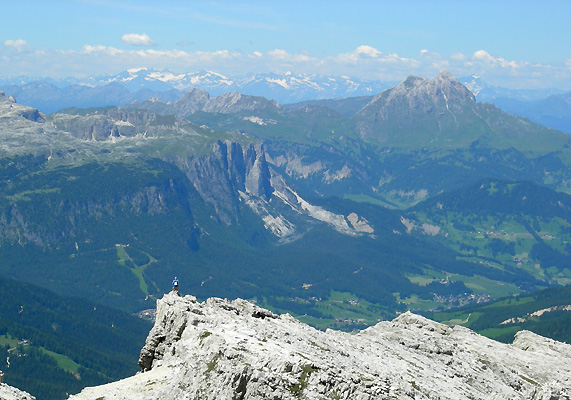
51,345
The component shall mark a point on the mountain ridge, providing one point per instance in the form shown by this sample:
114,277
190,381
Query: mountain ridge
140,84
238,350
552,111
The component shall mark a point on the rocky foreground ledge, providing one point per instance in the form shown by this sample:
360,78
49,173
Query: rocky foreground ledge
236,350
11,393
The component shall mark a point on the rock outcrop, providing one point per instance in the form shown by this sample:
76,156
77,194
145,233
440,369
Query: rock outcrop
8,392
10,109
236,350
117,122
231,168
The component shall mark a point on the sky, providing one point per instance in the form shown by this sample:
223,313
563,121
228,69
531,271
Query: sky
514,44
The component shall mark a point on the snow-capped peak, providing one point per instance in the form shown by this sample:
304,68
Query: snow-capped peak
135,70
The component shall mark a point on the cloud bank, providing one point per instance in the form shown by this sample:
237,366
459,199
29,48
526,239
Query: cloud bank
18,44
364,62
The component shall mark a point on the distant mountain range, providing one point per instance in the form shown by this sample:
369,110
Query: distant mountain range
487,92
141,84
553,111
548,107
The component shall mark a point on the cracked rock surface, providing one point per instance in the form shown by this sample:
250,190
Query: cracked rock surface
11,393
236,350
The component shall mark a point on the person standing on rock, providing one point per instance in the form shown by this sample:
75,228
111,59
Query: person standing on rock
175,285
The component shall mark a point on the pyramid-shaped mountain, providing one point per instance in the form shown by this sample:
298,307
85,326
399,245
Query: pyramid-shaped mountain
442,113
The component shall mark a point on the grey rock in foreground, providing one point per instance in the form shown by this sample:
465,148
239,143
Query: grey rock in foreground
236,350
8,392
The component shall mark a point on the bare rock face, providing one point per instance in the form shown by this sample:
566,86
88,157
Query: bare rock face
11,393
437,110
231,168
10,109
228,103
192,101
236,350
114,123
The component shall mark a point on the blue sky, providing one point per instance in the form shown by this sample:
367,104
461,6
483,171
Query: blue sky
519,44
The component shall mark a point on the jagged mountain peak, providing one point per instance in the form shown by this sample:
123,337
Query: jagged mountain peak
7,99
226,103
449,84
191,102
445,74
444,90
9,108
235,101
237,350
194,93
413,80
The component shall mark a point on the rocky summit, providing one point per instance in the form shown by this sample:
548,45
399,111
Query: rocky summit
222,349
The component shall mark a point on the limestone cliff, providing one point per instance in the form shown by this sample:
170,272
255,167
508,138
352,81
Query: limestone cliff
231,168
236,350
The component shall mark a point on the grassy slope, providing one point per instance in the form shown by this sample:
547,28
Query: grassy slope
487,318
517,226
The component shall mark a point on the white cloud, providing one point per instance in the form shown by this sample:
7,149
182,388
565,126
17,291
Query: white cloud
283,56
362,52
137,39
18,44
433,60
367,51
482,55
87,49
112,51
485,57
393,59
457,57
278,54
424,53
